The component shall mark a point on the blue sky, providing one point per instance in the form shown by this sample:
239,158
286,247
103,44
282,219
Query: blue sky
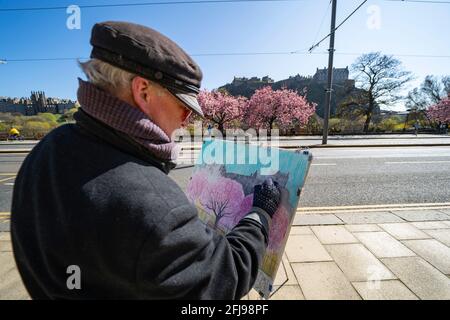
404,29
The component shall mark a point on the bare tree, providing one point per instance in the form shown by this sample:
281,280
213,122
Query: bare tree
382,77
432,90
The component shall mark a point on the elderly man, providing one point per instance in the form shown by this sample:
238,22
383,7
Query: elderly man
94,214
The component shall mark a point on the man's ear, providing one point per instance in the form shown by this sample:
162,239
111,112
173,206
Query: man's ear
140,92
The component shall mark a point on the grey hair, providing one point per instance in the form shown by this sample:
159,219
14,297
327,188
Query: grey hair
106,76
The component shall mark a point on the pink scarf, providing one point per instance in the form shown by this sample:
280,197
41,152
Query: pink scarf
125,118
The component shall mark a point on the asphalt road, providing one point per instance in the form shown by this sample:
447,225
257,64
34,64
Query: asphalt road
338,176
366,176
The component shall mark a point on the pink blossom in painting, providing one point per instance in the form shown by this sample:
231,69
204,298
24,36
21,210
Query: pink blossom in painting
223,198
196,185
280,224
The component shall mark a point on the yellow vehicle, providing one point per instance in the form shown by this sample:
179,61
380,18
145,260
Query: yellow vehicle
14,134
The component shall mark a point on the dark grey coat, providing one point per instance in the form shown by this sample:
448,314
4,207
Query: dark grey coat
88,196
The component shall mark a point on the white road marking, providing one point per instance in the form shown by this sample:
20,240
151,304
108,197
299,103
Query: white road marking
323,164
378,156
415,162
9,184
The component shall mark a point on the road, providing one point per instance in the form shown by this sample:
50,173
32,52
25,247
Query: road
365,176
338,176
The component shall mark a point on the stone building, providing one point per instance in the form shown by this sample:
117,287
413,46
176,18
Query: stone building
37,103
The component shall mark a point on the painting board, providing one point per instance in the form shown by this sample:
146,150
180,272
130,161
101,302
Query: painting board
222,184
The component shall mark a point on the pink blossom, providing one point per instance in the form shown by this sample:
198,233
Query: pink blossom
441,111
221,108
280,223
267,107
223,198
196,185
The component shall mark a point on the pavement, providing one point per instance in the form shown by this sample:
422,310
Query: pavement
374,223
344,253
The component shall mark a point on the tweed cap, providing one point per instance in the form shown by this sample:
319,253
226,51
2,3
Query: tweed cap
150,54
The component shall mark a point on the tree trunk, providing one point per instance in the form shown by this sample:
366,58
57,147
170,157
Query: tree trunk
367,123
220,127
406,122
269,132
369,115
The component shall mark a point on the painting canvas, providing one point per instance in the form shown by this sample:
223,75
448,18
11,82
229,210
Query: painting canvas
222,185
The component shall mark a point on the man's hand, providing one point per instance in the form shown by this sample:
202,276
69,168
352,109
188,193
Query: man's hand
267,196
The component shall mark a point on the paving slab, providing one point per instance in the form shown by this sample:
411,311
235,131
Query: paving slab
253,295
305,248
433,252
358,263
281,276
362,227
442,235
5,236
11,287
368,217
288,293
324,281
4,226
447,223
315,219
291,279
420,277
333,234
430,225
384,290
422,215
383,245
300,230
5,246
404,231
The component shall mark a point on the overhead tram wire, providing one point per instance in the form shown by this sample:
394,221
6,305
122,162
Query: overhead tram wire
212,54
156,3
323,20
91,6
420,1
335,29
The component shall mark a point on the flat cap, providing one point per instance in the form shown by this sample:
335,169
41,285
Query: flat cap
150,54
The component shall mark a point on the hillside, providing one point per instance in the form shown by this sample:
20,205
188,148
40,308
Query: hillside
315,88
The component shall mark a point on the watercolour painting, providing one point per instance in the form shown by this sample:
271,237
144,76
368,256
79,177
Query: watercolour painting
222,185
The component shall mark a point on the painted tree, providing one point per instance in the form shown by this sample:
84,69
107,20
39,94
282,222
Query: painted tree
267,107
244,209
223,197
440,112
221,108
197,185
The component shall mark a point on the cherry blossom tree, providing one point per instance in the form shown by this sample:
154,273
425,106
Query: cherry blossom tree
267,107
221,108
196,185
440,112
223,198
